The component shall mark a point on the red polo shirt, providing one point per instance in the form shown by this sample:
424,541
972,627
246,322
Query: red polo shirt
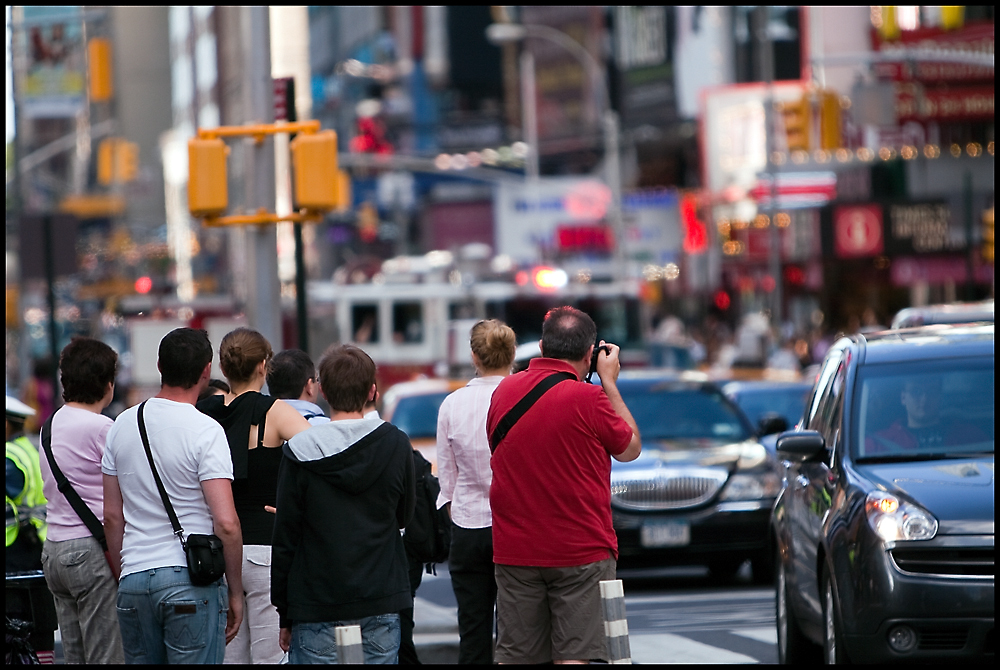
551,490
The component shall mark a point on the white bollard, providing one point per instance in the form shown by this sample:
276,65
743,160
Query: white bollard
615,623
348,639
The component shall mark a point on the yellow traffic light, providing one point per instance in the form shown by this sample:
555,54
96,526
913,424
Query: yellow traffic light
889,29
952,17
987,248
343,190
208,190
117,160
797,123
99,69
829,120
314,157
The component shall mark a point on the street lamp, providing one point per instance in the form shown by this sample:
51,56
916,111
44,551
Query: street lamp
507,33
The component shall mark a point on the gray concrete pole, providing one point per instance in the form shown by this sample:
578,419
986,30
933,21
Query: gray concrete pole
263,306
529,114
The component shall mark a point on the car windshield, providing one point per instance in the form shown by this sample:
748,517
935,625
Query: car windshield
788,402
417,415
924,411
676,412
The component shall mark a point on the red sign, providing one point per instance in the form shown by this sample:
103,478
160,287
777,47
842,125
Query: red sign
695,231
858,231
584,238
281,98
976,37
964,103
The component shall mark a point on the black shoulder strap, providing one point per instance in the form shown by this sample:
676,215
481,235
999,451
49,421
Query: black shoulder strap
86,514
523,405
178,531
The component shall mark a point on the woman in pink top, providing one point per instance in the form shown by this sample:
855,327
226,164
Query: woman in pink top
463,459
76,570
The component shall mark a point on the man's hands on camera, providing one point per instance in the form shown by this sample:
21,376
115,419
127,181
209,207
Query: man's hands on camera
608,365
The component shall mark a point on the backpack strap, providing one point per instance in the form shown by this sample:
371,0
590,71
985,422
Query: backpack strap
523,405
81,508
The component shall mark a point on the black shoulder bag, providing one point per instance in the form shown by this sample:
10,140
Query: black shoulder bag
205,560
508,420
86,514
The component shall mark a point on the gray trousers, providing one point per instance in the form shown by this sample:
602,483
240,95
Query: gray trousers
85,593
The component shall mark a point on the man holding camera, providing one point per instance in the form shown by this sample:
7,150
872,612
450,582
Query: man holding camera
553,438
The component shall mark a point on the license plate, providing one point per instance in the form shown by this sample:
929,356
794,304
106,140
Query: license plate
665,535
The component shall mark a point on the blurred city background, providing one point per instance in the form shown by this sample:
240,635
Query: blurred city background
724,187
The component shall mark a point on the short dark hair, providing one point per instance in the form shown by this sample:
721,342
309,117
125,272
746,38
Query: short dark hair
182,356
288,372
346,374
86,367
567,333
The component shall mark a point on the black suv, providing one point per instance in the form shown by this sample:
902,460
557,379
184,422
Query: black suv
884,524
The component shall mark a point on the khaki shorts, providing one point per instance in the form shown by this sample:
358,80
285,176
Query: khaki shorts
551,614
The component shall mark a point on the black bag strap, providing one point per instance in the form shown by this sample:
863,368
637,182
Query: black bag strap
178,531
523,405
81,508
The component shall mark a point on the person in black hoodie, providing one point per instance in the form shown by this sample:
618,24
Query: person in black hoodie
345,489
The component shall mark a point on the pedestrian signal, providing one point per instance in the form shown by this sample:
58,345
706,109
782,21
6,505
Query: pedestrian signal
829,120
117,160
314,158
796,118
208,192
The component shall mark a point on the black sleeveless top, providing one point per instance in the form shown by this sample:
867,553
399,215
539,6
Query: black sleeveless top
255,471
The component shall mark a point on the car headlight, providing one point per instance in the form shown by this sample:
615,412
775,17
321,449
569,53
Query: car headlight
894,520
751,487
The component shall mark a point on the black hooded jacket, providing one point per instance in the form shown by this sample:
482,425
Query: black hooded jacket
345,489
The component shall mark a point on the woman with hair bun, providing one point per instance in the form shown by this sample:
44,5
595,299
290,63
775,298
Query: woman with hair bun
463,460
256,427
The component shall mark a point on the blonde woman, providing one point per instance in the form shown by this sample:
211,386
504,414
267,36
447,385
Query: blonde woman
256,427
463,459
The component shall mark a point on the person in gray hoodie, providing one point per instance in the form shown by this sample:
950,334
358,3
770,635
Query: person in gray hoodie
345,489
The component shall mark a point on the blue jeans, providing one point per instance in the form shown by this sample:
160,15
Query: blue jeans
166,619
315,643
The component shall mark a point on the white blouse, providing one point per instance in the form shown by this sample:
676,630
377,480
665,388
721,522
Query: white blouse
463,453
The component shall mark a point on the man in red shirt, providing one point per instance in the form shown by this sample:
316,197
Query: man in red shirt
553,541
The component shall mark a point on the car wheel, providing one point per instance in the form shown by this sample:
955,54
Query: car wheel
833,645
793,646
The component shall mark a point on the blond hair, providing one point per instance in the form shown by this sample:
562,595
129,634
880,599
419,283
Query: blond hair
494,343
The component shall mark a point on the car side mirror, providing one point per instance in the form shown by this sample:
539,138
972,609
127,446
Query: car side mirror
801,445
772,423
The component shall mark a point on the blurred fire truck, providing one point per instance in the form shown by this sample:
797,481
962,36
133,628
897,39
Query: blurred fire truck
414,316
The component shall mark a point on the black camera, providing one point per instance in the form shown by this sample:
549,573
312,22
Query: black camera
593,359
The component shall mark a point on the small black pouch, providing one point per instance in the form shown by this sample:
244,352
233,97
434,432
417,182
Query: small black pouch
205,560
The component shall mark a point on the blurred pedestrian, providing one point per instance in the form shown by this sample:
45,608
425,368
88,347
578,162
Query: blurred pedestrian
463,456
553,541
345,490
256,426
76,570
164,618
291,376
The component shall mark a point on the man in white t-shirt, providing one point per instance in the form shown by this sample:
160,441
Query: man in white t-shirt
163,617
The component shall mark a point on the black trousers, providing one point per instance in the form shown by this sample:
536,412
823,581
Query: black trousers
474,582
407,651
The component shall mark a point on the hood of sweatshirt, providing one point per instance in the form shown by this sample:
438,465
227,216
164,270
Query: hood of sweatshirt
342,452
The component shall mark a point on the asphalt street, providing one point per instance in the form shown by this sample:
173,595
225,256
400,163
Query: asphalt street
678,615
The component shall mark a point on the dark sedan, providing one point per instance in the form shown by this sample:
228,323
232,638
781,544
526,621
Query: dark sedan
702,490
884,524
772,406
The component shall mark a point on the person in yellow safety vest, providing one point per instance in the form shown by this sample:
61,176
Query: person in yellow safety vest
25,507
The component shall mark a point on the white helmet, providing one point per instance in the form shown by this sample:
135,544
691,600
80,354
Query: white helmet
17,409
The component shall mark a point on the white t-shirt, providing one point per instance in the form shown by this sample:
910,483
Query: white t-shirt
188,448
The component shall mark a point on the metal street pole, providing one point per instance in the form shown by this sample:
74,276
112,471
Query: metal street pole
529,115
263,291
765,69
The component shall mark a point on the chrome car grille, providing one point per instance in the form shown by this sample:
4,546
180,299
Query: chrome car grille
958,562
666,489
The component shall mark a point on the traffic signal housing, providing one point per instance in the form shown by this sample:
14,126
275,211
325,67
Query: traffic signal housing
314,158
208,190
99,69
117,160
796,117
829,120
